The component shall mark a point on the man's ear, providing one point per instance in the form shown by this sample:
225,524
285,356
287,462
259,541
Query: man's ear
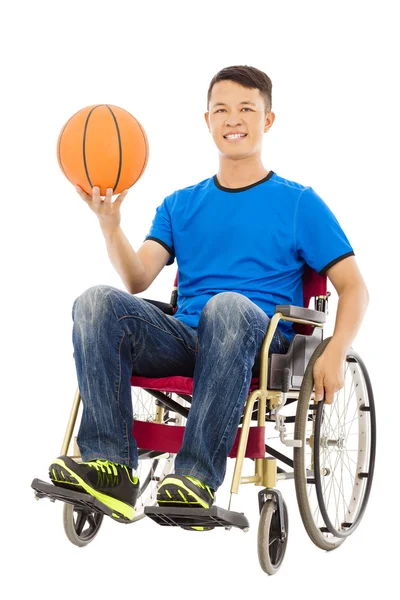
206,116
269,120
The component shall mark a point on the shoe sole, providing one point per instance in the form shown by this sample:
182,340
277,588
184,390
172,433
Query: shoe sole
62,477
198,528
175,493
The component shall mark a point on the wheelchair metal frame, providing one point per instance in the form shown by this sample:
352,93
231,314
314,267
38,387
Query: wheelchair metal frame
282,380
265,468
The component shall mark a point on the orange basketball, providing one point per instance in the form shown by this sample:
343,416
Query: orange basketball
103,145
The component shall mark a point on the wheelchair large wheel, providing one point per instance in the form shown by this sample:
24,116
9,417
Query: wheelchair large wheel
80,525
152,470
333,469
271,550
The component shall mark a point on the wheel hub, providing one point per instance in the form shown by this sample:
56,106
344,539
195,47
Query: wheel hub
326,442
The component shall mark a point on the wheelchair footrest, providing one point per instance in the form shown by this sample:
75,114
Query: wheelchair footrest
78,499
197,517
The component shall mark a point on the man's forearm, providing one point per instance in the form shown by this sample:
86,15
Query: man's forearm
351,309
125,260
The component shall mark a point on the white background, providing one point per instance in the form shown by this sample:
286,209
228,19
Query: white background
335,94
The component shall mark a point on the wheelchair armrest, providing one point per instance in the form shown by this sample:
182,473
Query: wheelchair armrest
164,306
299,312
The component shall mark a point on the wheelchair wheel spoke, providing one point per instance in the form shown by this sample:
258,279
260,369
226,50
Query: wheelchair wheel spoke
317,514
340,446
340,491
151,471
331,485
144,406
348,467
353,419
336,485
349,457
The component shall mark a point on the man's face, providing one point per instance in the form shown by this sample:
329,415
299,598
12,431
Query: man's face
236,109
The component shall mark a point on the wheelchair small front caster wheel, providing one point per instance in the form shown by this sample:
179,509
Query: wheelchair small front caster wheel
81,525
271,549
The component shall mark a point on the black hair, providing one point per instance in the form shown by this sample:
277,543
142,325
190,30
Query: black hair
249,77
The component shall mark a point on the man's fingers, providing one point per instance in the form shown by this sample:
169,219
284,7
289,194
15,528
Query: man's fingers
121,196
329,396
96,196
319,387
108,196
83,194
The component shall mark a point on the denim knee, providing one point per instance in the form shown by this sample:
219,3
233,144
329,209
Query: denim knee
93,303
225,300
233,314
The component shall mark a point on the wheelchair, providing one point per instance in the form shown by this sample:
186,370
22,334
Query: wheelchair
333,446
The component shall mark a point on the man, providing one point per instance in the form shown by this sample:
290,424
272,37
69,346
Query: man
241,239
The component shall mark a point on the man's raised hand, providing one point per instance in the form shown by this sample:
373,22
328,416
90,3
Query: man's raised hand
107,211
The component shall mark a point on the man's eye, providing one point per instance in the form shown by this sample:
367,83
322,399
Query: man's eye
244,108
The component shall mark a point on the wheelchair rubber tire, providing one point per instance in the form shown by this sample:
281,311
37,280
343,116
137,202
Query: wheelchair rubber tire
315,532
271,556
368,432
70,527
300,479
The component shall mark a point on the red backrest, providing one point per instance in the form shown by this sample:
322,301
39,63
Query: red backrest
313,285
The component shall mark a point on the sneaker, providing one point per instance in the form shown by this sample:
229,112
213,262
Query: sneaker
112,484
185,491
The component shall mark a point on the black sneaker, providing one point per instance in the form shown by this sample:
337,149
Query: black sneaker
112,484
183,490
186,491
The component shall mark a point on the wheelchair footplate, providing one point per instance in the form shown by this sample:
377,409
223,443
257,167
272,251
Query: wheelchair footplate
78,499
197,518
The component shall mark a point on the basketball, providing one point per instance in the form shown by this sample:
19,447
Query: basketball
102,145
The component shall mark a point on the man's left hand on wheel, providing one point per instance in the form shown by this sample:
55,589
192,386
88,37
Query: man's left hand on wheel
328,376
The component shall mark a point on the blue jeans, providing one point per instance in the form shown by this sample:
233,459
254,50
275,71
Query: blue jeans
117,334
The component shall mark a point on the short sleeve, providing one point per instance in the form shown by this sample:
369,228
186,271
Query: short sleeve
161,230
320,240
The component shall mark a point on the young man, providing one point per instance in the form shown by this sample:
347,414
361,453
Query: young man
241,239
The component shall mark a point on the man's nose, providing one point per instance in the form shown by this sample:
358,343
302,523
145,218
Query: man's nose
233,120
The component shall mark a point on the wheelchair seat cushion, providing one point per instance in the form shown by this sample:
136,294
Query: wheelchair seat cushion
175,384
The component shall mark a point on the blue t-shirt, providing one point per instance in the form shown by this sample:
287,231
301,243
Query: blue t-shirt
253,240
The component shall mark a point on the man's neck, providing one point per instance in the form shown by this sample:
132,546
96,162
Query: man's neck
237,174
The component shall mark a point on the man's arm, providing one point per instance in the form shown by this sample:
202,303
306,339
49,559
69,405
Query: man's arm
352,305
136,269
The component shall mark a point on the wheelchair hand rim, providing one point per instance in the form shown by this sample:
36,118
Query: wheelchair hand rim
351,357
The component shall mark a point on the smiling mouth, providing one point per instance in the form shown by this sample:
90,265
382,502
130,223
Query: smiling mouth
235,138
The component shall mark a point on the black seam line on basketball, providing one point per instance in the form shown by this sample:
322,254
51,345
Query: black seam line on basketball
120,148
59,150
147,151
84,144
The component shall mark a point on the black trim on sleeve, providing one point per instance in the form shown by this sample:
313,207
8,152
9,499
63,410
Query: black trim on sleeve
333,262
164,245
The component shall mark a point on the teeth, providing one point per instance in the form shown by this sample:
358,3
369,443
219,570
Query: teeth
234,135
